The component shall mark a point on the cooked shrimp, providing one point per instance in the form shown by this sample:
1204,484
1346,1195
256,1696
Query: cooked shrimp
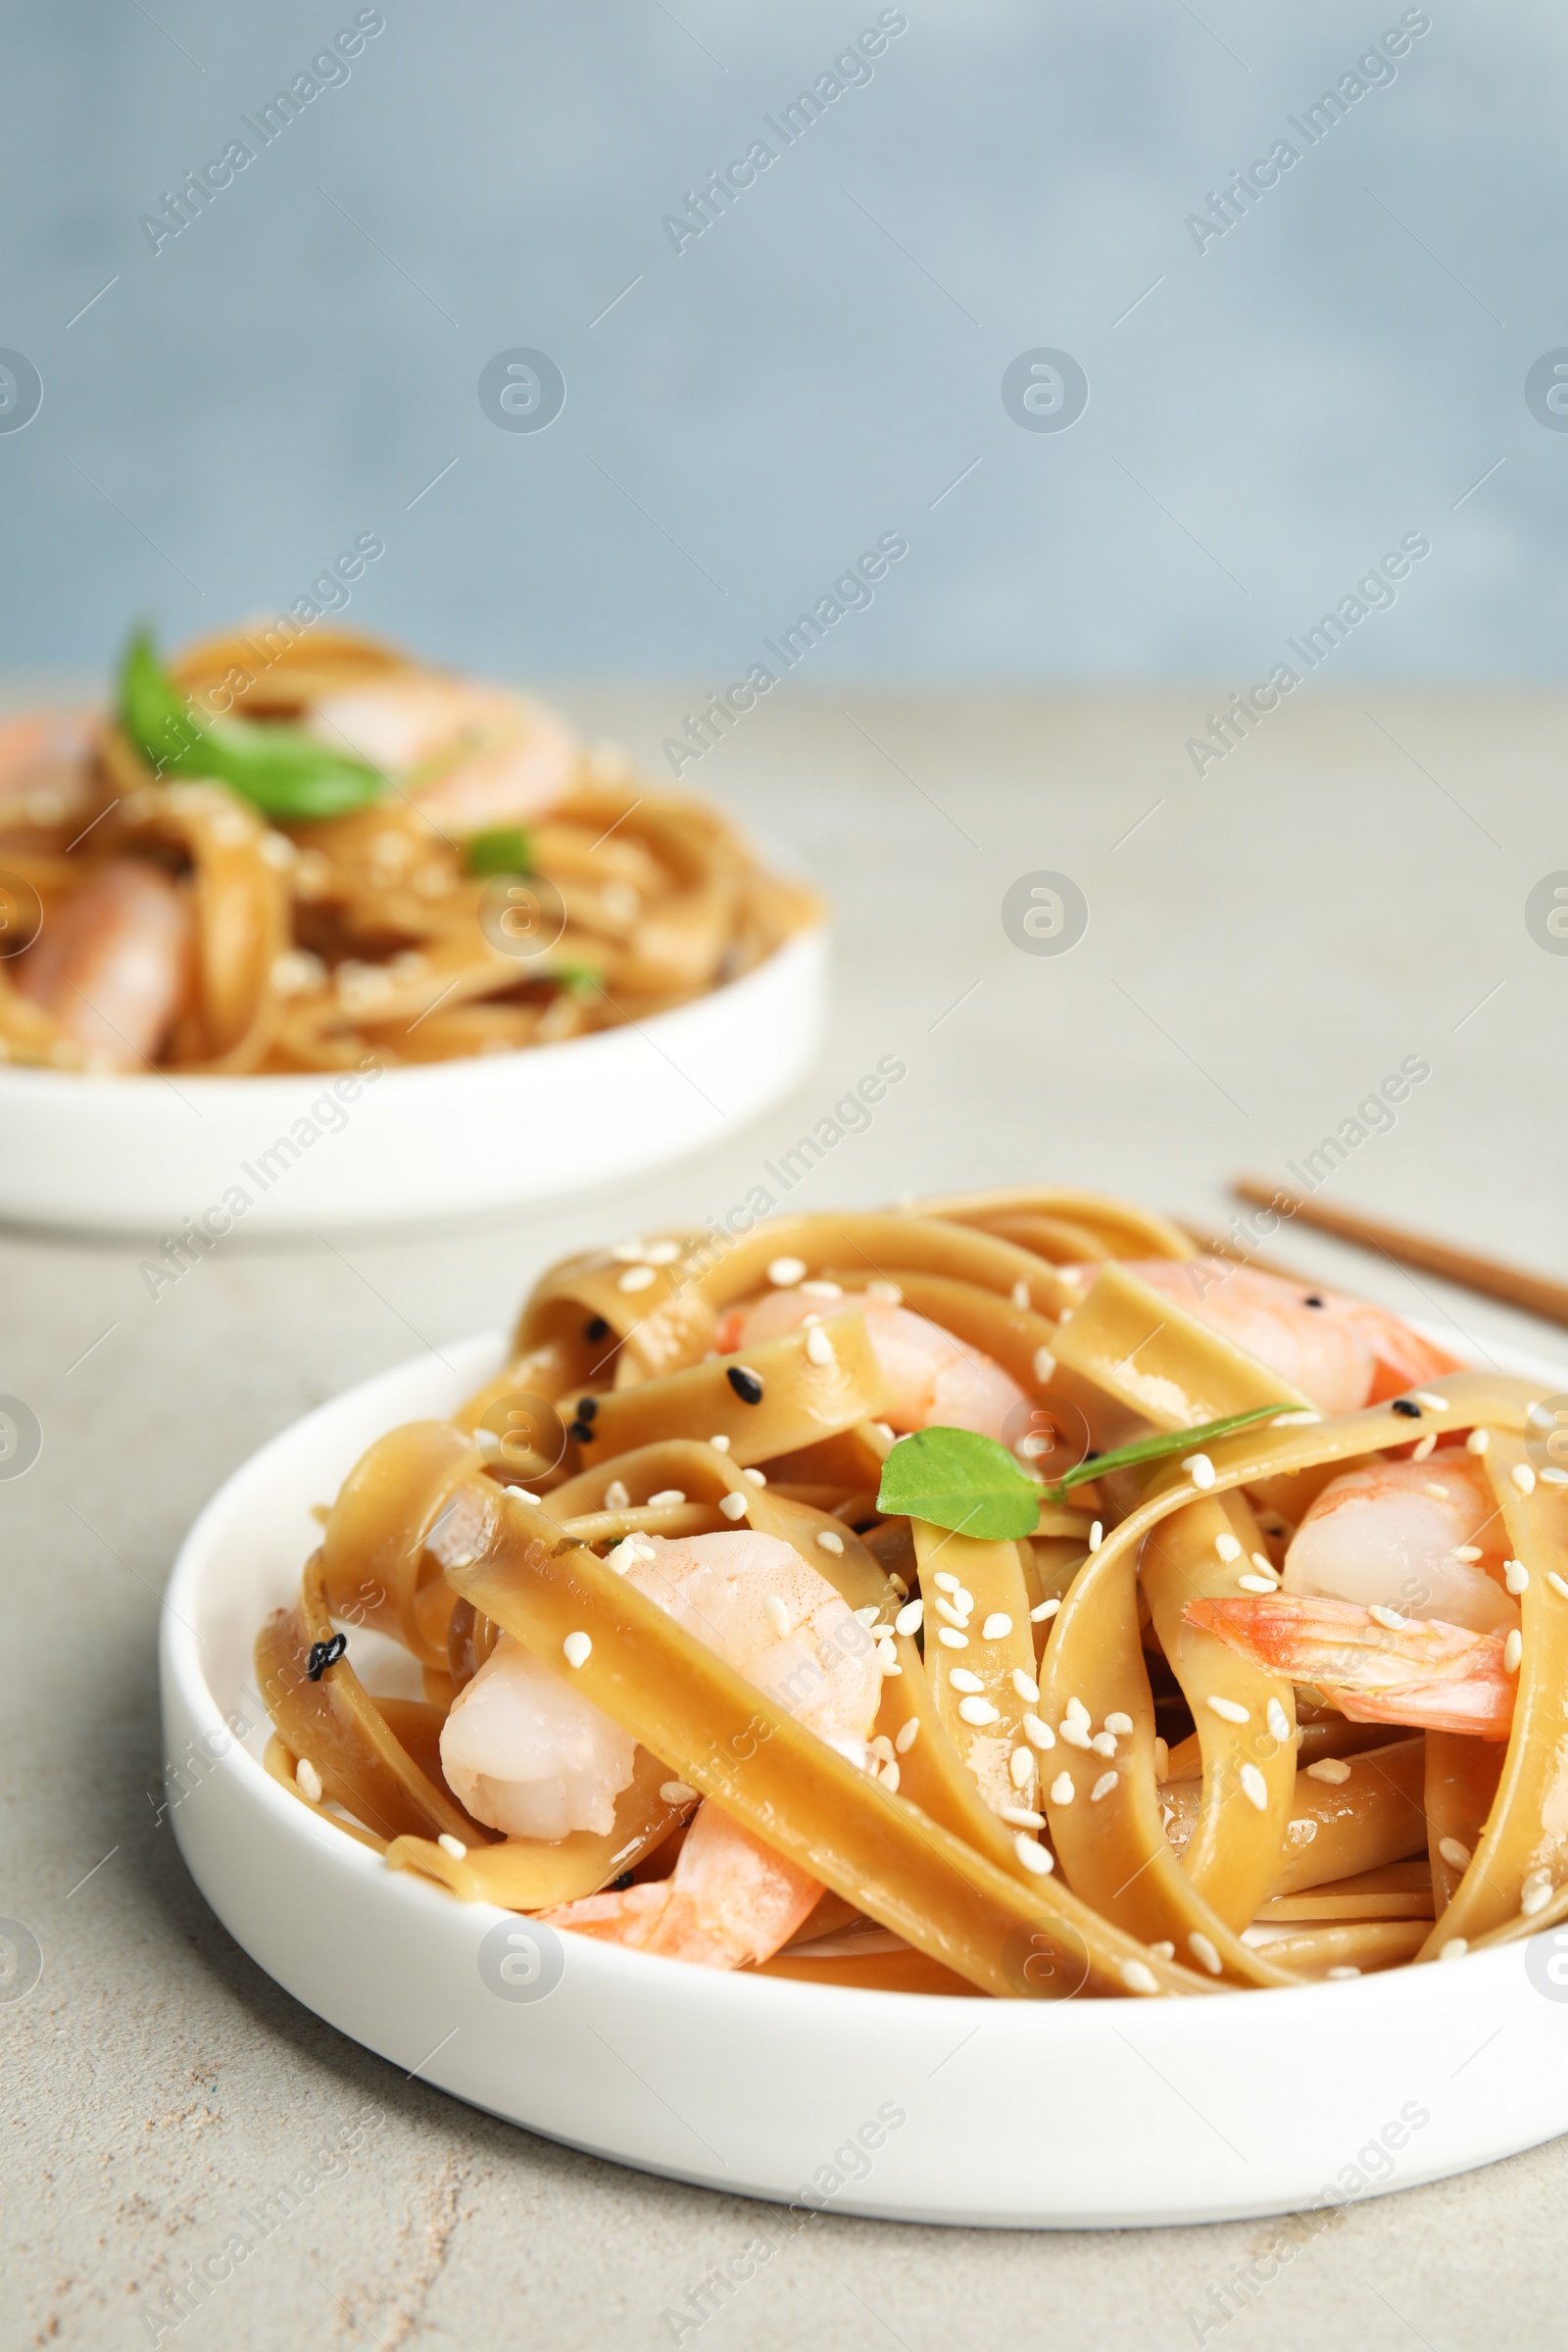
466,755
1402,1535
525,1752
1420,1671
112,962
730,1902
517,1755
937,1378
1340,1352
45,768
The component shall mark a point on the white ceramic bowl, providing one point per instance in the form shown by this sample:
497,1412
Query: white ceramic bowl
139,1153
1025,2115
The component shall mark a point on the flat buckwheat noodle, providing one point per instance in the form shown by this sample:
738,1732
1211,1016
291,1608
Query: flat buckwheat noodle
1209,1839
318,944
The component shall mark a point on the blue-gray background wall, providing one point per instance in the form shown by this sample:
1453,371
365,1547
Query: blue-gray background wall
1336,371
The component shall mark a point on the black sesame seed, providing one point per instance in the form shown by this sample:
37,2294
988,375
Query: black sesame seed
1403,1405
1093,1456
748,1385
1314,1301
587,1406
324,1654
579,1432
625,1881
596,1331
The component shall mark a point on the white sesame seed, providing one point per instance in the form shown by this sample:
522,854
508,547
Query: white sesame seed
1454,1854
883,1430
777,1615
522,1494
1433,1403
720,1444
1026,1685
889,1777
1073,1732
1046,1611
758,1478
1097,1535
1389,1619
1229,1710
1039,1735
622,1557
1332,1769
1034,1857
1557,1585
818,1347
1104,1787
1104,1743
1536,1893
1517,1576
909,1617
950,1638
307,1780
660,1253
1524,1478
785,1272
996,1627
1343,1976
886,1293
1255,1787
628,1252
1297,1420
1120,1724
617,1497
733,1507
1062,1791
1199,1469
1021,1768
977,1711
1476,1442
1455,1948
869,1615
945,1581
1078,1712
946,1610
1436,1489
821,1289
637,1278
1163,1951
1257,1584
1161,1758
1139,1977
575,1649
666,1495
1263,1564
963,1680
1205,1951
1279,1723
906,1736
1045,1366
1020,1293
678,1793
1467,1552
453,1846
1513,1650
828,1541
963,1601
1419,1453
1021,1817
1227,1547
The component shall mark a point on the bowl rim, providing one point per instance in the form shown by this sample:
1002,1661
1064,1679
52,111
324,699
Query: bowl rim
604,1965
103,1087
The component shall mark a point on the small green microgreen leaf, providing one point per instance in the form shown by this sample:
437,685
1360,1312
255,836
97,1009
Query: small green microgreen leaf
955,1478
502,850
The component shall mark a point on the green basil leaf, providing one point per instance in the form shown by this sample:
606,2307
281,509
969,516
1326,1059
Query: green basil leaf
501,850
287,774
955,1478
1156,1448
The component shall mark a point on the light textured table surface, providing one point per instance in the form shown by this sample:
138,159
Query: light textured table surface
1344,891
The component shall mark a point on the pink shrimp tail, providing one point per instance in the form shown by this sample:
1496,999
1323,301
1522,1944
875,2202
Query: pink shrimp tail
1429,1675
730,1902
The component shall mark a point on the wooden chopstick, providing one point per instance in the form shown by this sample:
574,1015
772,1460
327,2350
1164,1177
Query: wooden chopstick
1534,1292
